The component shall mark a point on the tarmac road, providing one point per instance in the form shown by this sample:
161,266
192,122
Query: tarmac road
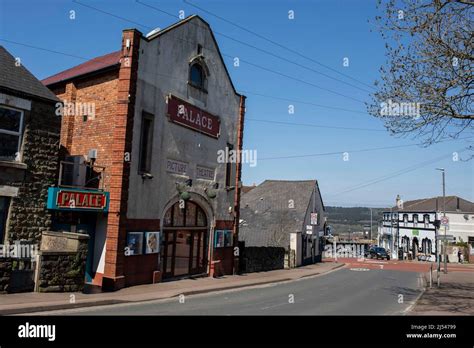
349,291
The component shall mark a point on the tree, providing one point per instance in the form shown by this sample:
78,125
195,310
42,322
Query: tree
426,87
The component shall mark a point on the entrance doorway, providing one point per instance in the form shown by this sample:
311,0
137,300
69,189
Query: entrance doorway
185,241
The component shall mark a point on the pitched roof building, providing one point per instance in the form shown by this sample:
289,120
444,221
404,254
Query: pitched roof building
165,106
277,213
29,146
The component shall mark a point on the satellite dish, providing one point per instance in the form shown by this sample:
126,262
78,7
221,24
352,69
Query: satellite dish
153,32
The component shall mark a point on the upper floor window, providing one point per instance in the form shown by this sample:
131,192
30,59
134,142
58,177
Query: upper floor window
197,76
405,220
11,123
415,220
146,141
426,219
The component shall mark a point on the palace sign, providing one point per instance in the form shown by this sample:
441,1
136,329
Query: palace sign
192,117
71,199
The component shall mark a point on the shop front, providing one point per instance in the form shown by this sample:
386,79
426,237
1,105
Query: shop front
81,211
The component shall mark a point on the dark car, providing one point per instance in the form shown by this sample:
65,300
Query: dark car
378,253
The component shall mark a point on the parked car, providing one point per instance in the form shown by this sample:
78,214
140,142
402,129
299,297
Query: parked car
378,253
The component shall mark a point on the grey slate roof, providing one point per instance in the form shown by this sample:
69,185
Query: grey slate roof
453,204
267,220
18,79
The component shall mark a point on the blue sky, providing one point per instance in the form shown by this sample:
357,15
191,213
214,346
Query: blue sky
325,30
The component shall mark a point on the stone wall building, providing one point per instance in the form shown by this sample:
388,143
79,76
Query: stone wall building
164,106
29,147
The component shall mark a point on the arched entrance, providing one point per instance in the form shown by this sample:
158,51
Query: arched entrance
185,240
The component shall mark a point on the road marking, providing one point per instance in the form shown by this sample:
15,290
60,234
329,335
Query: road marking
360,269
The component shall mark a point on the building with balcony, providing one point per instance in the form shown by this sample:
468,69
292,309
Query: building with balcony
143,129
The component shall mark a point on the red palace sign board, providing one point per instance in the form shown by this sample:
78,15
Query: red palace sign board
190,116
81,200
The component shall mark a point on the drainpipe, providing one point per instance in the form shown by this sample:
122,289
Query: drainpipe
238,177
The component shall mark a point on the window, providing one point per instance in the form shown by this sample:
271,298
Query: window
191,215
197,76
415,220
4,204
426,219
405,220
228,168
146,141
11,123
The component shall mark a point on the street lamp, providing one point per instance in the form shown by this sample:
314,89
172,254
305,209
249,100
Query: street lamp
444,215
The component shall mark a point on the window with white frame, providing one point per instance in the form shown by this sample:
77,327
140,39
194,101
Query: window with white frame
405,220
11,123
415,220
426,219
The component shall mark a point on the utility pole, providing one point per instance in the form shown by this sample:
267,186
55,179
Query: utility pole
370,235
444,215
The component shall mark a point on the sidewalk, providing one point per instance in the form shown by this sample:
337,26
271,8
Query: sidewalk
36,302
455,296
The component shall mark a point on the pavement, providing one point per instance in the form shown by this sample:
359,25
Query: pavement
39,302
455,295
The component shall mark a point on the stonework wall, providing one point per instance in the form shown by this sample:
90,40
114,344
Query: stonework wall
62,271
261,259
5,274
28,215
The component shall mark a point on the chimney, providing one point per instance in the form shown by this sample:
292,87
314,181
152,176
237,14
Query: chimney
457,204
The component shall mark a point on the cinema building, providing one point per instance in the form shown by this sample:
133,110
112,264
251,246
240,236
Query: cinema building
141,140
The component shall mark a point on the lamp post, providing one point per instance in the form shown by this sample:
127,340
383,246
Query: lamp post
444,215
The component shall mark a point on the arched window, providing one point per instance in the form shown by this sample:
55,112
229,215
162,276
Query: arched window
405,220
426,219
197,76
191,215
415,220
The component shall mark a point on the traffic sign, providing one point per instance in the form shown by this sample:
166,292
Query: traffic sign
444,221
446,237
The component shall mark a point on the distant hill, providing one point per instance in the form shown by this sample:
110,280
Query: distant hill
344,220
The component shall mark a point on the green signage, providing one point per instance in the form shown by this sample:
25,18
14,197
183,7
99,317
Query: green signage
415,232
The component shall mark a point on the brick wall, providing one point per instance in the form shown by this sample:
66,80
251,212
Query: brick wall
79,136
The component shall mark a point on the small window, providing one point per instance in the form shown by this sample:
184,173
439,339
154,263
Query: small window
426,219
146,141
197,76
11,123
228,169
415,220
199,50
405,220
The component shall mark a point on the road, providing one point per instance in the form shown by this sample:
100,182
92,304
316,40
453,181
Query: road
349,291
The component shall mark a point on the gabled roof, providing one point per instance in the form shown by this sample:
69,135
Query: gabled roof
453,204
267,218
112,59
18,79
93,65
